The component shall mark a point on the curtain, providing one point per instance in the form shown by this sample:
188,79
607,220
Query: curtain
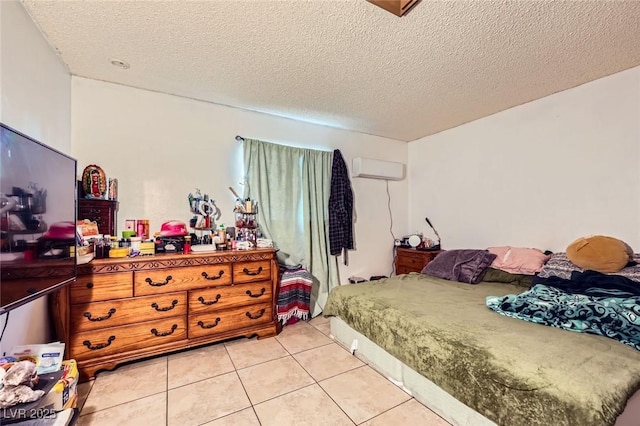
292,187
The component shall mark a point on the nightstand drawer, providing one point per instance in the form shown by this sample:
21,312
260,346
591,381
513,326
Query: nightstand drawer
411,260
405,270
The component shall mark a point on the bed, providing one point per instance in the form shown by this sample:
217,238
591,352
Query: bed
438,339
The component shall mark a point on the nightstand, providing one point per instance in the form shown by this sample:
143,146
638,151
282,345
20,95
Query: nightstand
412,260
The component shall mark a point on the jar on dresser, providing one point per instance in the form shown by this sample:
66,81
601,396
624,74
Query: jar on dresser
125,309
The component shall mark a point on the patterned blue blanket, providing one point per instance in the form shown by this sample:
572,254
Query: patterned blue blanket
616,316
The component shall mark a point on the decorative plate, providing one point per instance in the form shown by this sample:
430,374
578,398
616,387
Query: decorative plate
94,182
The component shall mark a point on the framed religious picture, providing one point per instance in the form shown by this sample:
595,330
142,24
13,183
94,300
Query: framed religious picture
94,182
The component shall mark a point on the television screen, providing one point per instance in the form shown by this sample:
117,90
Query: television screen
37,219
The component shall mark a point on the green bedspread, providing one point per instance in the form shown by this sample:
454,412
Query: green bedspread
511,371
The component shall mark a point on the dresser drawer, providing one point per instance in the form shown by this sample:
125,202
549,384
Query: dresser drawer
112,313
115,340
230,319
93,288
244,272
216,298
181,279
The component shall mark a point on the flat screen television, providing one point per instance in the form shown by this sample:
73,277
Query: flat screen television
37,219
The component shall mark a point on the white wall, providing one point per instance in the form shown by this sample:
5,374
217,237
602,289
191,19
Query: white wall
36,91
161,147
539,175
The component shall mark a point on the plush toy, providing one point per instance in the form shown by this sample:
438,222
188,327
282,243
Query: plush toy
600,253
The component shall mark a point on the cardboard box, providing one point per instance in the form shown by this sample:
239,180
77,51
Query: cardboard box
64,393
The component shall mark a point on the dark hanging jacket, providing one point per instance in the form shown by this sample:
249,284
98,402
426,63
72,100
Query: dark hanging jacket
340,208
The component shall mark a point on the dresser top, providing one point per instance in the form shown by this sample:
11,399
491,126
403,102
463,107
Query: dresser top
172,260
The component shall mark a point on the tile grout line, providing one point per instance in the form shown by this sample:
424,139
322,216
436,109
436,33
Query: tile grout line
289,354
122,403
365,364
166,398
320,386
235,369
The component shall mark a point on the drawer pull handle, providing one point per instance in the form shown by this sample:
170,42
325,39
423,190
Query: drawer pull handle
248,272
111,312
204,302
166,333
87,343
155,306
201,324
207,277
256,295
261,313
89,286
151,283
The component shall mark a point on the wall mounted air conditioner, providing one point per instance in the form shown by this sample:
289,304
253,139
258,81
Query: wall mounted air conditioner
377,169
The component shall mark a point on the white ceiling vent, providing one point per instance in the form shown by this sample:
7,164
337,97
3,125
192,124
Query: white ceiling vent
377,169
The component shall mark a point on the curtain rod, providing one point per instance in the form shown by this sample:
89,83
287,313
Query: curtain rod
239,138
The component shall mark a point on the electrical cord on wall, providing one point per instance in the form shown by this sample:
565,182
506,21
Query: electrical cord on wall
393,237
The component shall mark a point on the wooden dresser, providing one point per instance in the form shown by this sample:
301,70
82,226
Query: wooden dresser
412,260
124,309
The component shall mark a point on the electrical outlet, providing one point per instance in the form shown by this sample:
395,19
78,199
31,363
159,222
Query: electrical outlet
354,346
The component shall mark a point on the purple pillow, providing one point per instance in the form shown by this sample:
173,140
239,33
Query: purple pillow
465,266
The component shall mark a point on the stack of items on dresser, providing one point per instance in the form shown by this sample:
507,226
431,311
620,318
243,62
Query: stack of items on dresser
36,384
202,235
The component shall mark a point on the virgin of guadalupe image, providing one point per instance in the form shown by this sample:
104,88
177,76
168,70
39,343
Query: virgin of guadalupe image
94,182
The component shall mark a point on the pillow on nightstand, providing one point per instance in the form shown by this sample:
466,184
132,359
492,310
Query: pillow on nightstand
465,266
600,253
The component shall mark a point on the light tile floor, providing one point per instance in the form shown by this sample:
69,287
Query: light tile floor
299,377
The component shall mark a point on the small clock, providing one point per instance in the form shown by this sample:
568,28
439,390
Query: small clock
414,241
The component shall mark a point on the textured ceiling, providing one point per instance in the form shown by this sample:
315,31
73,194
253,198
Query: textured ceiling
348,64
